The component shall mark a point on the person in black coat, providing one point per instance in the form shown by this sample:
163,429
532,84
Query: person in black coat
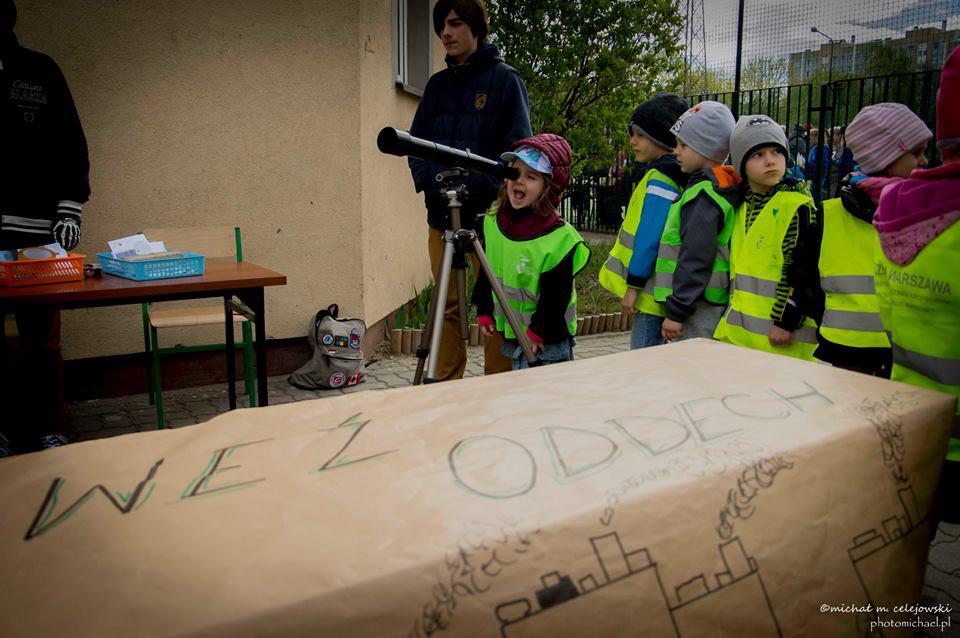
478,103
44,182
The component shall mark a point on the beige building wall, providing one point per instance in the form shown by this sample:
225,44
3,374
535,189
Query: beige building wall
250,113
396,263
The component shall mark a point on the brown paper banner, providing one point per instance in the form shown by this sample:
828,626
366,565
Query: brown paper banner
693,489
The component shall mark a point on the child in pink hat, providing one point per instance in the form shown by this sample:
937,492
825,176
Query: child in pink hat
888,141
918,275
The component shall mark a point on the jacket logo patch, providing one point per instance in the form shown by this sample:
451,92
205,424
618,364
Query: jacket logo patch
480,101
524,267
25,91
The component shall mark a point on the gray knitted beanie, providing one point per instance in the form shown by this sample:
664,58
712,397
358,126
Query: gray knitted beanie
706,129
753,132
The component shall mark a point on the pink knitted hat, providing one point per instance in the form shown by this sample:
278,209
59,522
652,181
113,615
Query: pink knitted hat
881,133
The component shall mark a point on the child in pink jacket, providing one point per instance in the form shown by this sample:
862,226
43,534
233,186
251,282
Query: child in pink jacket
918,274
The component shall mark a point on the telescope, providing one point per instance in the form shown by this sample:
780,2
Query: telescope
401,143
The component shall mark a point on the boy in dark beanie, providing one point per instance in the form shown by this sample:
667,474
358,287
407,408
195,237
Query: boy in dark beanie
628,270
43,185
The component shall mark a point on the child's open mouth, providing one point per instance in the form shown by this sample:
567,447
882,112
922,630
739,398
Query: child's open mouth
518,195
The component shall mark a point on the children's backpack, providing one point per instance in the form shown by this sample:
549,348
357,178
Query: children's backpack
337,359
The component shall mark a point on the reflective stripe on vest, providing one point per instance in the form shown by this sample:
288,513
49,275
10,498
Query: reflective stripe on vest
756,286
853,320
920,305
851,315
756,262
718,287
569,316
758,326
669,251
613,274
848,284
518,265
943,371
617,268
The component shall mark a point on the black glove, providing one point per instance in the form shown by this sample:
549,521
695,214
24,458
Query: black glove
856,201
67,232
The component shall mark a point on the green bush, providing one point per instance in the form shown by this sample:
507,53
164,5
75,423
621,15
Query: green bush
592,298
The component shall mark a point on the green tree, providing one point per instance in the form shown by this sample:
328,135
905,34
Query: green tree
709,82
588,63
886,60
761,73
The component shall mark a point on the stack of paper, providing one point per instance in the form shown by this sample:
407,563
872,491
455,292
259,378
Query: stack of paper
139,248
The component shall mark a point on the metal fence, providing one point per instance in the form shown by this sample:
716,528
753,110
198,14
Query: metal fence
597,203
837,103
829,108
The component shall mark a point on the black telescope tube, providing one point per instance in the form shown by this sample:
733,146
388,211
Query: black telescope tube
401,143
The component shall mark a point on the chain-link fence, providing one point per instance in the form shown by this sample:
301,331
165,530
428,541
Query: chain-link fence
815,117
814,42
813,82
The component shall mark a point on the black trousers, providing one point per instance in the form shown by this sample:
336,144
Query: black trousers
34,402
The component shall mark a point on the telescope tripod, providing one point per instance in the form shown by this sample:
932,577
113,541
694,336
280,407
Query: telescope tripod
456,243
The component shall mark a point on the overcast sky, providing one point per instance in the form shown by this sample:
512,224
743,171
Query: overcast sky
775,28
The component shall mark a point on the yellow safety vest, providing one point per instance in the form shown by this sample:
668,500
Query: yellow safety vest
518,265
756,262
613,274
851,315
717,291
920,306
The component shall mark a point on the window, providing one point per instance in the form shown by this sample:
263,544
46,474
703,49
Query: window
412,40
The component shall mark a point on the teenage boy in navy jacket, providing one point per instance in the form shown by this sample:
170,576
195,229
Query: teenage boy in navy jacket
479,103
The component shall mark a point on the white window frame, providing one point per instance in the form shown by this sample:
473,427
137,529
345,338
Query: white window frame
401,61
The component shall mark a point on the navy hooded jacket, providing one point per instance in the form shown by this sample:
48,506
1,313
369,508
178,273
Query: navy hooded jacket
479,105
44,170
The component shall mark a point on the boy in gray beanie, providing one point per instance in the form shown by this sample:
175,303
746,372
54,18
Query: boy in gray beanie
692,277
772,223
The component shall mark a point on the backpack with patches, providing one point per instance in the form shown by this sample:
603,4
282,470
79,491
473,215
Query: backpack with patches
337,360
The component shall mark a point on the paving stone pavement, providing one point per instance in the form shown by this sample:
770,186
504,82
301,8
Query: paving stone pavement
102,418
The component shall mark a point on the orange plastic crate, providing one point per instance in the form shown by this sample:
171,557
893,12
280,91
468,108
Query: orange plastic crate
42,271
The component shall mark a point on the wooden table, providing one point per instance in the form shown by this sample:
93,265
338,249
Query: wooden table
245,281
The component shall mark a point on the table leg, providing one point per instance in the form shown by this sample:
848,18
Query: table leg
3,332
4,362
253,298
231,362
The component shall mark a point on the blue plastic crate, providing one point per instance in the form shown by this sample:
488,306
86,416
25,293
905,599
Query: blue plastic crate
187,266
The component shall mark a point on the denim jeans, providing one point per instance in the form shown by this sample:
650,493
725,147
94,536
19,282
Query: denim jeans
552,353
646,331
703,322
